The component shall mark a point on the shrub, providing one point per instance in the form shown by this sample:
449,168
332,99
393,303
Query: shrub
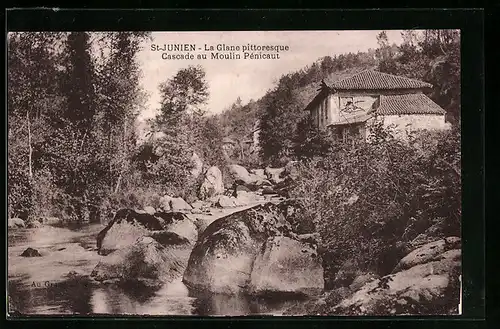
367,198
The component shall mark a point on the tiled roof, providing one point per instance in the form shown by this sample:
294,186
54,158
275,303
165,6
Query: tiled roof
374,80
408,104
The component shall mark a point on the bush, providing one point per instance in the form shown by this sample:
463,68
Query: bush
367,198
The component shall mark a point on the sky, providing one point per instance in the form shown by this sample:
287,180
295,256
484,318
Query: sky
246,78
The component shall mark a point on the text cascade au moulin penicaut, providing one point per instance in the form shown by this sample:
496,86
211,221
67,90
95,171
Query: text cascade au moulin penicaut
219,51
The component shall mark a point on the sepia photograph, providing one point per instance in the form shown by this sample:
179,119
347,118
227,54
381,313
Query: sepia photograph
234,173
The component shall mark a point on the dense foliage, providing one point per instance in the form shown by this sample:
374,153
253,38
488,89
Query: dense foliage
368,199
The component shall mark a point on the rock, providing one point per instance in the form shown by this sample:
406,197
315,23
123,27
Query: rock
212,185
453,255
198,204
239,173
287,265
261,183
240,188
225,201
268,190
197,165
168,238
259,173
273,174
425,289
426,253
222,259
149,210
33,224
146,261
244,198
419,241
180,224
177,204
361,280
30,252
51,221
15,223
127,226
119,235
165,203
319,305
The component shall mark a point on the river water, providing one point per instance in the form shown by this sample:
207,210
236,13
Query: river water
58,283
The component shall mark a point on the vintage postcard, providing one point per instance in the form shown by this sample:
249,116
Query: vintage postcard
234,173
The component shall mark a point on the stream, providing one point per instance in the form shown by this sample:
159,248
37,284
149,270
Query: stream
58,283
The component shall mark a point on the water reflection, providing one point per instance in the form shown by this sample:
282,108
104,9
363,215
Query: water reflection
66,297
239,305
43,286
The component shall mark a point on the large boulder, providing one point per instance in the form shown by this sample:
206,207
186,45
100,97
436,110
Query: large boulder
244,198
223,257
212,184
239,173
225,201
168,203
287,265
427,252
128,226
147,261
15,223
430,288
178,204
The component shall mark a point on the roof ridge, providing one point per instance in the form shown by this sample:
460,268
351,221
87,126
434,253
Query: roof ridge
373,72
402,76
375,69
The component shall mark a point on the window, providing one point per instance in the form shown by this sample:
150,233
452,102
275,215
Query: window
345,101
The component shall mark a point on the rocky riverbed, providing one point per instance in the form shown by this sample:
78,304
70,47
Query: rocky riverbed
59,281
237,251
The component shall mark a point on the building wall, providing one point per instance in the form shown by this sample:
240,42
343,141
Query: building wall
415,121
402,124
328,110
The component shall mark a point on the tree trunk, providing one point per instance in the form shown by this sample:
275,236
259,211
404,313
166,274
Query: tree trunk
117,187
30,148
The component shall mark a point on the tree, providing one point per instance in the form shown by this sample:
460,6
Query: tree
182,98
385,53
33,101
119,98
310,142
278,124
